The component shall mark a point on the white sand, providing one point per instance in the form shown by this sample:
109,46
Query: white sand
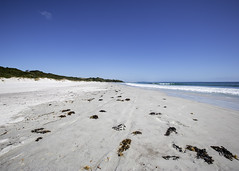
17,94
76,141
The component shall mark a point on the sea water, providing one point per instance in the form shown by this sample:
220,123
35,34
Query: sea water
222,94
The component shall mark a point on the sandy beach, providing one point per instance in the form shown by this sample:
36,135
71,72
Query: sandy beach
64,125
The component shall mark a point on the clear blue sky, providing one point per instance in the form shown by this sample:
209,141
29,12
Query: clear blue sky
132,40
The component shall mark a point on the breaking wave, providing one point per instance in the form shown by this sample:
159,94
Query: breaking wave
200,89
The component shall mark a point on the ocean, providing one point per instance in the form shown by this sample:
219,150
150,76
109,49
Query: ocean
222,94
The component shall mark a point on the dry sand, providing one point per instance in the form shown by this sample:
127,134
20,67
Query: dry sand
77,142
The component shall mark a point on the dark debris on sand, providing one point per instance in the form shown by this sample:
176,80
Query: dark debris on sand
177,148
125,145
136,132
94,117
39,138
127,99
169,157
154,113
70,113
201,153
120,127
102,111
89,100
224,152
40,131
66,110
170,130
62,116
4,133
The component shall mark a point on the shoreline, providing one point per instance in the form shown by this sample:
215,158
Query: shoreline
227,101
77,142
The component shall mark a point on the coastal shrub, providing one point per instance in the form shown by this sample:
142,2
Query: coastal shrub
36,74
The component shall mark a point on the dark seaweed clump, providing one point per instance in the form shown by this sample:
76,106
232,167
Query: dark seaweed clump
94,117
169,157
40,131
154,113
125,145
70,113
66,110
177,148
170,130
119,127
224,152
39,138
201,153
136,132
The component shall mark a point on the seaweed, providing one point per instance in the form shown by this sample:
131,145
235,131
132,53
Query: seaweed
87,168
120,127
66,110
89,100
102,111
127,99
170,130
62,116
40,131
39,138
224,152
177,148
136,132
70,113
125,145
94,117
201,153
4,133
173,157
154,113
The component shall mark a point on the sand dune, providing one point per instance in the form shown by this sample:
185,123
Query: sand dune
57,131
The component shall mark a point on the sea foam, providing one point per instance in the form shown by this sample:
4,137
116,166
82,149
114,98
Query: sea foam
200,89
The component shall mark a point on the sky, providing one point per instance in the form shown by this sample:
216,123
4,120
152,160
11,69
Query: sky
131,40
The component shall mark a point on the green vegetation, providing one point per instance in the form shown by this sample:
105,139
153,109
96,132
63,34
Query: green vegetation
35,74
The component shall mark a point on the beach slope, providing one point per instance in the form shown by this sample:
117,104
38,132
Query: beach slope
105,126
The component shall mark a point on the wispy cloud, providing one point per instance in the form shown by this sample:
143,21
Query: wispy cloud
46,14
